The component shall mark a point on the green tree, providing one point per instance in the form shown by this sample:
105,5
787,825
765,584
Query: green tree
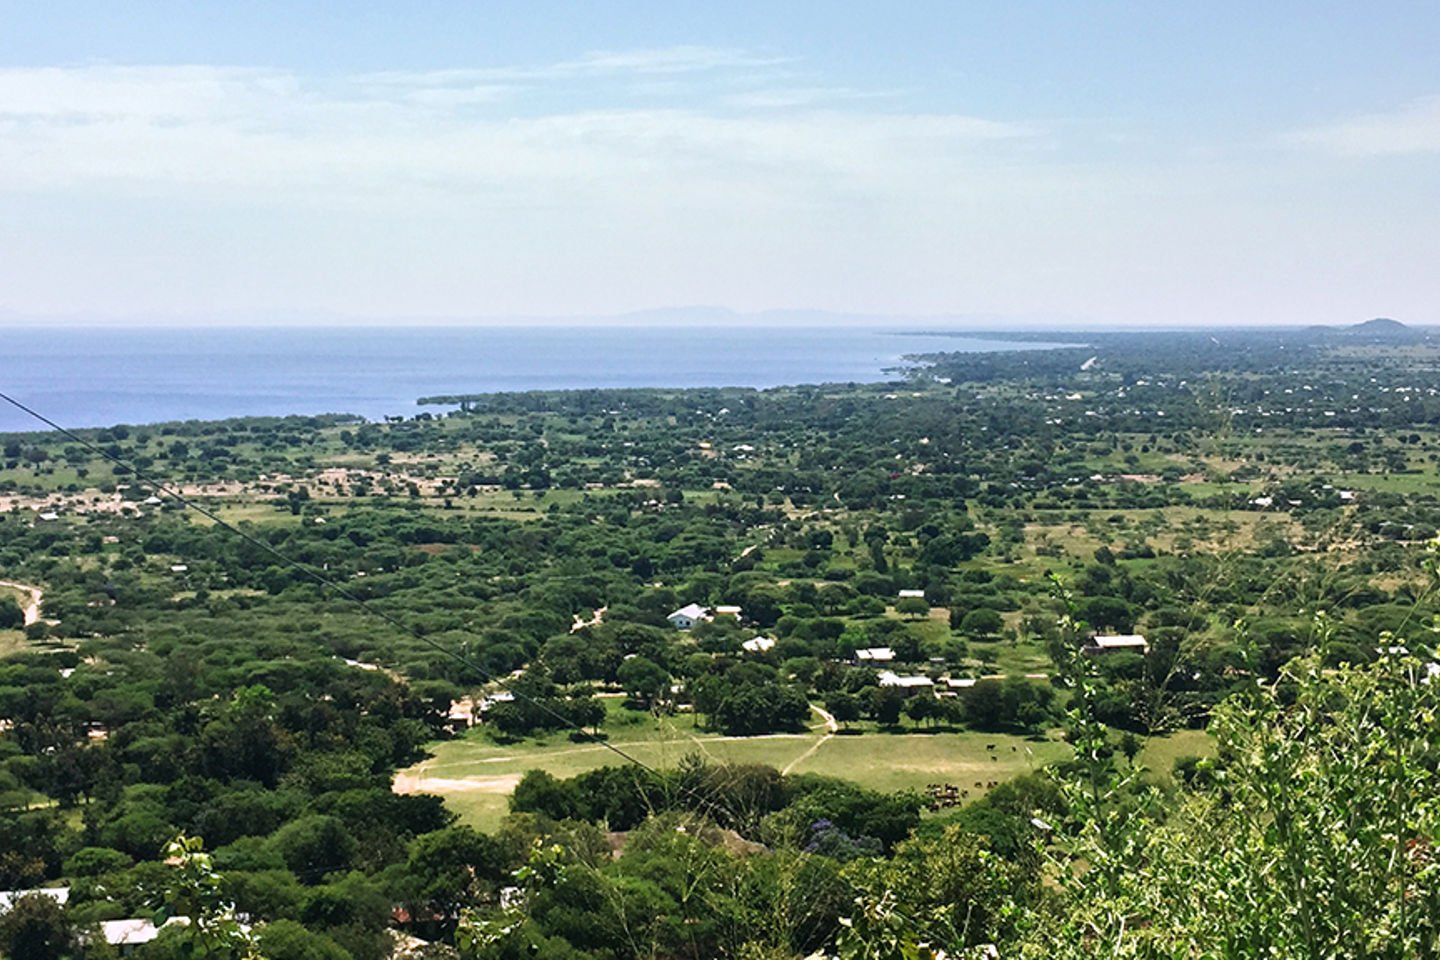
981,622
35,928
885,704
1108,613
923,707
916,608
314,846
644,680
755,708
541,792
11,616
288,940
943,895
454,868
985,705
844,707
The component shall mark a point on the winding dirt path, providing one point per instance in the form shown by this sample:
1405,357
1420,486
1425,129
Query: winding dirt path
595,620
831,727
32,609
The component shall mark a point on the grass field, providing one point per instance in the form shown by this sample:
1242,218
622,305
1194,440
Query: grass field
1160,753
476,776
262,513
12,642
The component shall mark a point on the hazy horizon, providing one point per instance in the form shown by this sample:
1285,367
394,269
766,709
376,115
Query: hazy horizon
696,317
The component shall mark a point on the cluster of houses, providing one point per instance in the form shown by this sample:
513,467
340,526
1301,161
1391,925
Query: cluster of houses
693,613
1098,645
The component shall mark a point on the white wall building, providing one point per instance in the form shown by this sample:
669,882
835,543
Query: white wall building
891,679
689,615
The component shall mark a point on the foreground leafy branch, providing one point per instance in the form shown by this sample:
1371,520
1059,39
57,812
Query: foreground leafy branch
1312,835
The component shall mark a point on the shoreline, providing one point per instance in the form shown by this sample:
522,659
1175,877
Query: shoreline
91,378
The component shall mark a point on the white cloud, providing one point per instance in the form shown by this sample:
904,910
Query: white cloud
356,138
97,93
614,181
681,59
1413,128
789,97
668,61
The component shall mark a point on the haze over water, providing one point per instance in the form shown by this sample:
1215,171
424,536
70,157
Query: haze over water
83,377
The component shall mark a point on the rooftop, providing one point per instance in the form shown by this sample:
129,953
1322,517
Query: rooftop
60,895
890,679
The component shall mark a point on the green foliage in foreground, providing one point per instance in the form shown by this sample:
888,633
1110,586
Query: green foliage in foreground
1313,835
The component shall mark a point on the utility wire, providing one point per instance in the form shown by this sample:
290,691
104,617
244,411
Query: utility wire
341,590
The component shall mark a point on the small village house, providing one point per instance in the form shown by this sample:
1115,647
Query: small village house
687,616
1102,644
126,936
889,678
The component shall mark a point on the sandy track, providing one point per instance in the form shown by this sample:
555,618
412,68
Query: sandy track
830,729
418,782
32,609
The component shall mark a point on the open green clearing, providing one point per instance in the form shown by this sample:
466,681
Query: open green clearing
477,775
12,642
1160,753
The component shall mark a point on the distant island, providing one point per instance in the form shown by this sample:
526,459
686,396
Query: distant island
1379,330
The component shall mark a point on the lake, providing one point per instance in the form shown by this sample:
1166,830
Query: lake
83,377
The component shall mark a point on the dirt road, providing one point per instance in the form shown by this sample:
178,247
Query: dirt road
32,609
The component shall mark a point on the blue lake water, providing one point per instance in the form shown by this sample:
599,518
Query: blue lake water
81,377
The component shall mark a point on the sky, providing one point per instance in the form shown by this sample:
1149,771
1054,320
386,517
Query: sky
1101,163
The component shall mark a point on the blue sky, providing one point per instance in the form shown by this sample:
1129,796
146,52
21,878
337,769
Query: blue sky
1115,163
